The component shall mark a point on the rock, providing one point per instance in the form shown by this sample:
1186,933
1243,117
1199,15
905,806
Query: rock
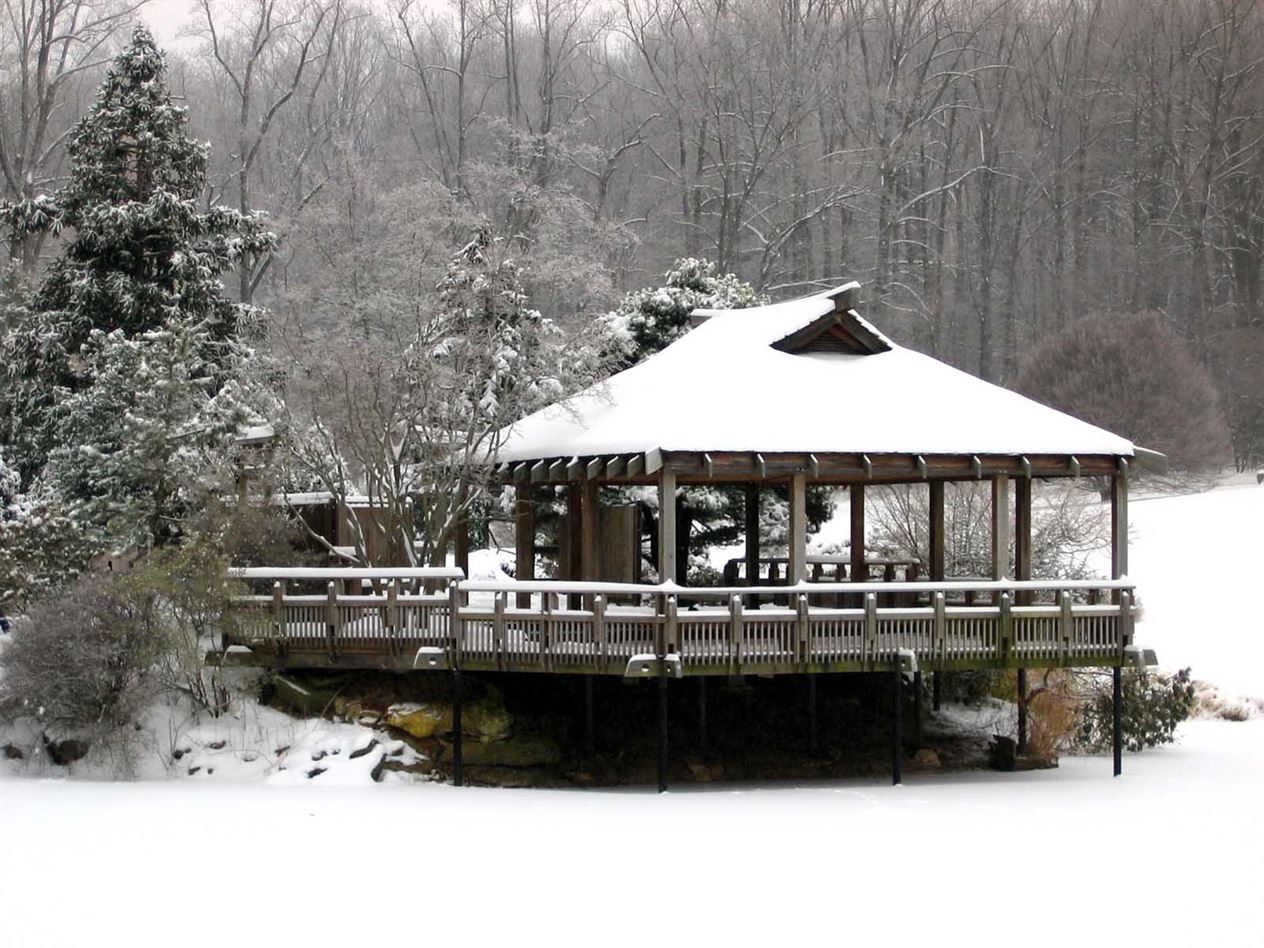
361,751
13,753
316,772
424,719
486,719
369,718
420,767
927,759
66,751
525,750
217,745
1002,752
533,777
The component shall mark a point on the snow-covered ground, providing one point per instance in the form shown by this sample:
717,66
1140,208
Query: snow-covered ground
1198,561
254,854
1166,855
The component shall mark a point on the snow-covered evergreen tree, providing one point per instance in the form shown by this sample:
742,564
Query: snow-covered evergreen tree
42,546
651,319
141,252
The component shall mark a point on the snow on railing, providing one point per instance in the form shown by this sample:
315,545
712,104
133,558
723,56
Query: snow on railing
565,625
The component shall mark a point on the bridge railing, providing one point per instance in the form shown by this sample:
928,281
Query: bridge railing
390,617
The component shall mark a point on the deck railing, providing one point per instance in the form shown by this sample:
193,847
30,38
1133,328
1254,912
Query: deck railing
388,618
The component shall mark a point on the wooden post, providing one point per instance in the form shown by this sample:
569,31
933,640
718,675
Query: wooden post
457,699
524,543
917,709
667,526
462,544
1117,708
332,624
588,566
937,531
1119,569
1000,526
1022,572
1118,526
937,574
588,532
702,716
589,738
859,572
797,569
897,723
574,532
812,735
752,542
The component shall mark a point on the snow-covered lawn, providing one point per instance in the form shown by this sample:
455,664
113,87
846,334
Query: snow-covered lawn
1198,561
1169,854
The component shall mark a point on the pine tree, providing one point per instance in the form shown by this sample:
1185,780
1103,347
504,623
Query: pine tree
653,318
142,253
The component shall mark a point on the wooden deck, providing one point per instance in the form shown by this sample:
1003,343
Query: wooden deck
403,619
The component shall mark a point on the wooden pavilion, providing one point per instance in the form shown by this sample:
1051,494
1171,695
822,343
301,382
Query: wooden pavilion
784,396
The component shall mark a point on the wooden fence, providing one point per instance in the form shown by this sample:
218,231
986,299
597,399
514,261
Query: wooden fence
404,619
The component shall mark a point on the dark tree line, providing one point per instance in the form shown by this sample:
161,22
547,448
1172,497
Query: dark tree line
989,169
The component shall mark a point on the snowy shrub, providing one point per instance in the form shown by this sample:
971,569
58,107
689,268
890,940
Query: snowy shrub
1153,705
82,663
1131,373
1068,528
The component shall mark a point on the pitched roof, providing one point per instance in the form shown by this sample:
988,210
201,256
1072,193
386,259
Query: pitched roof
805,375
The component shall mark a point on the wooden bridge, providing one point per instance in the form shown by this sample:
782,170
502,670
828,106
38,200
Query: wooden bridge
404,619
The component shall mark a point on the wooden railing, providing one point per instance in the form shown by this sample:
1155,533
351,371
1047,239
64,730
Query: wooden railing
387,619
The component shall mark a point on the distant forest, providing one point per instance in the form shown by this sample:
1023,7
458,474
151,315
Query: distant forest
988,169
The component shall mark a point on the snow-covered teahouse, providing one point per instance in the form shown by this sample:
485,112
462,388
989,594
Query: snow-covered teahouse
780,397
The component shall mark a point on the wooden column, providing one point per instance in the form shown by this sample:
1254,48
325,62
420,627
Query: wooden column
1022,571
1118,569
752,542
462,550
571,569
1000,526
797,569
752,535
666,526
936,531
936,557
1118,526
859,573
588,567
524,542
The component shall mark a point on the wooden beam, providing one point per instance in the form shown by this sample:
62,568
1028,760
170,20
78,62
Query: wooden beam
575,469
858,571
708,465
1073,463
976,465
616,466
594,468
666,525
557,470
761,466
814,465
937,530
636,464
866,465
920,463
539,471
797,569
1000,526
521,471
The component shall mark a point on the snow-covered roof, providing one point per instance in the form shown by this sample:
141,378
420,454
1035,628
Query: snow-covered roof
725,386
